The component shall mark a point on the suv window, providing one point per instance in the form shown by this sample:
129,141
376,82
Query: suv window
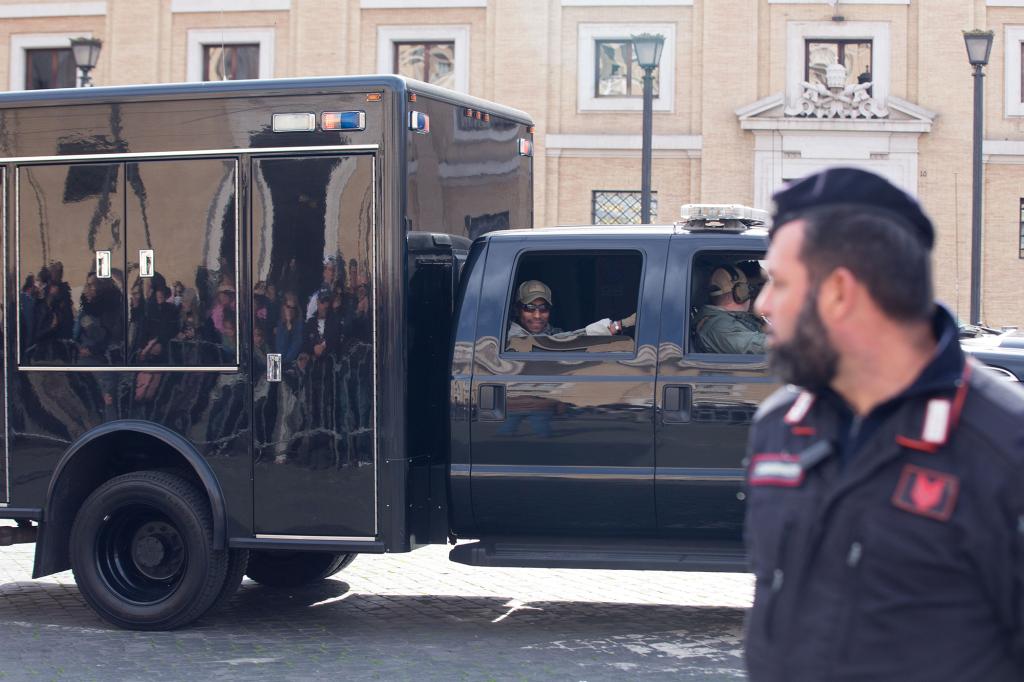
724,288
574,301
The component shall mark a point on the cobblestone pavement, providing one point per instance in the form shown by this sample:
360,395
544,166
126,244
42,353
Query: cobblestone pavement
412,616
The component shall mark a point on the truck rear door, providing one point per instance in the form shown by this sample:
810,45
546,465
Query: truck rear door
561,425
705,400
313,259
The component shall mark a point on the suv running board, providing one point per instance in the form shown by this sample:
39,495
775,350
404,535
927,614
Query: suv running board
604,553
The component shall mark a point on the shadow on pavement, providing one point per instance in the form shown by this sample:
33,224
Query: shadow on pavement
331,608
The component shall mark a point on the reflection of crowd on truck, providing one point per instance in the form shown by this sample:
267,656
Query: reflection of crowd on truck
320,414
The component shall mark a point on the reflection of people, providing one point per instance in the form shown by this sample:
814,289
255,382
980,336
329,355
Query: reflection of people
288,333
536,410
323,330
330,276
533,315
885,520
726,325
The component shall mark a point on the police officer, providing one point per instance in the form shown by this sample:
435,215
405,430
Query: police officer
726,325
885,521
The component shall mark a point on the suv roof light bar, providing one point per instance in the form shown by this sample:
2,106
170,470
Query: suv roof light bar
721,217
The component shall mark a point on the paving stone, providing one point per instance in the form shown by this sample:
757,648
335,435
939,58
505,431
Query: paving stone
413,616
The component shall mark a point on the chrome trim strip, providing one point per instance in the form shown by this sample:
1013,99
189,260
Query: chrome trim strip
190,153
373,335
238,263
17,264
7,355
696,475
328,538
227,369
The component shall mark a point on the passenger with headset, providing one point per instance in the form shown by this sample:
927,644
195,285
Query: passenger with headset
726,325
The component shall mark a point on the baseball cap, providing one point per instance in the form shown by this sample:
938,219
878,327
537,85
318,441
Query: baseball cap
533,289
850,187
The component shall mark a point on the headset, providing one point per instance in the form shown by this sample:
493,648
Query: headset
740,289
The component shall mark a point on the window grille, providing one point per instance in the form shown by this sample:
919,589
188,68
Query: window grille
610,207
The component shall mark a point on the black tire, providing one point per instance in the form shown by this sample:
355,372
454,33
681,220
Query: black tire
282,568
142,552
238,561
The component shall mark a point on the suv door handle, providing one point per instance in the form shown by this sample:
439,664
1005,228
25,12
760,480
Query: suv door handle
676,404
491,403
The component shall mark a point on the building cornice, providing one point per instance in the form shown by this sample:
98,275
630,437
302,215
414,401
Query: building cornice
766,114
622,146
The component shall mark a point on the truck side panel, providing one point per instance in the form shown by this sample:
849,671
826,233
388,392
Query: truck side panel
96,345
97,177
466,177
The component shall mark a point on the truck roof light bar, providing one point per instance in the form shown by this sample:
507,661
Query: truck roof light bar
720,217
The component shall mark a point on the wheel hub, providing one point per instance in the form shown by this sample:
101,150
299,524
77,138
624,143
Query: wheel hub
157,550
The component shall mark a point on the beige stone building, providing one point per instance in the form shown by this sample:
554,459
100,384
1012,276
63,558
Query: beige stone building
746,96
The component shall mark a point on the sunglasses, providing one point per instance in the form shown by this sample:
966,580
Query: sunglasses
536,307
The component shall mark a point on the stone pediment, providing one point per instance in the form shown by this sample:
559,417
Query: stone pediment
769,113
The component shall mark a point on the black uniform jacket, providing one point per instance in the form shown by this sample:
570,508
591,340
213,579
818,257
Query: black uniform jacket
890,548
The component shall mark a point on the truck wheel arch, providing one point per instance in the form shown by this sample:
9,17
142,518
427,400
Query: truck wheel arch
89,462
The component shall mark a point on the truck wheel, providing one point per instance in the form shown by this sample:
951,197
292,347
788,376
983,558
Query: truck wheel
238,561
142,552
281,568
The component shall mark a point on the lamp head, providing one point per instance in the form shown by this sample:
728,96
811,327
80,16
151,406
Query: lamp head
979,46
647,49
86,52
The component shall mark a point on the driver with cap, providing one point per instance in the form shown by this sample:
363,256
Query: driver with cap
726,325
885,484
533,316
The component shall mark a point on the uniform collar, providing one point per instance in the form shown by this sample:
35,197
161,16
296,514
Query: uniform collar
943,381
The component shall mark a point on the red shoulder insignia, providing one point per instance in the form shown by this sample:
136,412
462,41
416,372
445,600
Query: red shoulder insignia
926,492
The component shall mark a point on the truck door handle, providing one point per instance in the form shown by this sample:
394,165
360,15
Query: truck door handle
676,404
273,367
491,405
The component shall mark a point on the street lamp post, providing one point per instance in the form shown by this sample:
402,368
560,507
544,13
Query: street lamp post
647,50
86,52
979,46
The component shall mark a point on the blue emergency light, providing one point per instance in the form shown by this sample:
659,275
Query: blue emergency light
343,120
419,122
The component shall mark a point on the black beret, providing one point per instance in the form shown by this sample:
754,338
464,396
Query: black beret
850,187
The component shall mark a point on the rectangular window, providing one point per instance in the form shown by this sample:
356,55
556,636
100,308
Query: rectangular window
231,62
610,207
616,72
427,62
723,290
49,68
854,54
1022,228
571,301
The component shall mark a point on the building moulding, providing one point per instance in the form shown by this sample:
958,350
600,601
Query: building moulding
622,146
789,147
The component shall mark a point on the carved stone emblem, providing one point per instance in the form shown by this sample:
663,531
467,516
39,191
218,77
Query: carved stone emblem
837,99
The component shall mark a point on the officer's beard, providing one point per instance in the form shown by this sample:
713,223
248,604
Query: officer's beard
807,359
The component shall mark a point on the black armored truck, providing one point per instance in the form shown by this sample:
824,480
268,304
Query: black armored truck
258,328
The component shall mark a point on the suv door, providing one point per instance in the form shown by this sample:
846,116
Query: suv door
562,439
706,401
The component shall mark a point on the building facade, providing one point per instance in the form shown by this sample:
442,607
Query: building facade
750,93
